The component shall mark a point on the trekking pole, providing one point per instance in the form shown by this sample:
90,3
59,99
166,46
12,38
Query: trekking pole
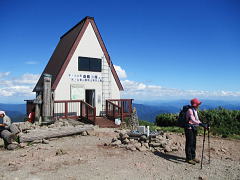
209,157
203,146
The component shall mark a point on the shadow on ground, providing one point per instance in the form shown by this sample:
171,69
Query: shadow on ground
171,157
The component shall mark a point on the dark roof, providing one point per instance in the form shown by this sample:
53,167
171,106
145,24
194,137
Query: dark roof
65,49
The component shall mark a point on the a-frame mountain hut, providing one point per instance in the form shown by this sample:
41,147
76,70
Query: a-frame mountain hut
80,81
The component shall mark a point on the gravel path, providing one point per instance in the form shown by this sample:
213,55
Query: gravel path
86,157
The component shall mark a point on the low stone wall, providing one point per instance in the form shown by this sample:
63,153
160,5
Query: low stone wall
134,142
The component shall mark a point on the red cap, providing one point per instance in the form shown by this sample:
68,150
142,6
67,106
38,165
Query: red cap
195,102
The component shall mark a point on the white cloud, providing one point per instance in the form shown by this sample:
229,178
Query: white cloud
18,86
121,72
27,79
4,74
141,91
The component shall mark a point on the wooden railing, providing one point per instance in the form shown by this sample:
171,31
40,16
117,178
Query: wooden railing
88,112
74,109
118,108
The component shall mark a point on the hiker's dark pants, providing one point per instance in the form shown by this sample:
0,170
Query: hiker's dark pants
8,134
190,146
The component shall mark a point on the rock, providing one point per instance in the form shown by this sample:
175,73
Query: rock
36,141
167,149
142,148
52,126
65,123
116,143
143,138
213,149
23,155
121,135
122,145
145,144
12,146
168,136
24,126
125,141
137,144
91,132
160,150
163,145
131,148
13,163
124,136
223,150
202,178
152,149
105,144
114,139
44,141
60,152
131,140
84,133
23,145
152,144
174,148
60,124
229,158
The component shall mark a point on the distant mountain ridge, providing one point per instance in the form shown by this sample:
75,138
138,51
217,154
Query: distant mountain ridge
17,112
147,110
150,109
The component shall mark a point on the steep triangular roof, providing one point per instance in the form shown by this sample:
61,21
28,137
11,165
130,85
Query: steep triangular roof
66,48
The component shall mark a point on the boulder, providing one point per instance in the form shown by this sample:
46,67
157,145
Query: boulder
142,148
145,144
12,146
175,148
84,133
44,141
125,141
137,145
154,144
91,132
114,139
143,138
167,149
116,143
124,136
131,148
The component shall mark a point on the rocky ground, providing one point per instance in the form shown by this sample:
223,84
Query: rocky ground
96,156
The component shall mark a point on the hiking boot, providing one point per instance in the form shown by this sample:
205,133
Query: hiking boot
191,162
196,160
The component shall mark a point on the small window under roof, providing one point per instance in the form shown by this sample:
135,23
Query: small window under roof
89,64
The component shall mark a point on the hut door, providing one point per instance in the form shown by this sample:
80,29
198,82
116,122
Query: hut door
90,97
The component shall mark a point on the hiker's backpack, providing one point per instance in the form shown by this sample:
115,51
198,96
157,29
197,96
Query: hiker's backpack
182,120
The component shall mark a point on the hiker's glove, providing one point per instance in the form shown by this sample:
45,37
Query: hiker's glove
205,126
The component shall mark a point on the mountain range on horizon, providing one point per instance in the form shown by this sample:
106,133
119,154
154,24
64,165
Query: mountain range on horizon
146,110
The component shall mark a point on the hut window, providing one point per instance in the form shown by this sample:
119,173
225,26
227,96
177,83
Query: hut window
89,64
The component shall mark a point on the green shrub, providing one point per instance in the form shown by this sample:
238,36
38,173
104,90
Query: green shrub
166,120
222,121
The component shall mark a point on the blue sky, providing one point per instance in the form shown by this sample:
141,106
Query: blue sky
163,49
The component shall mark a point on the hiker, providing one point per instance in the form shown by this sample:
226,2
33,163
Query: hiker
191,131
31,116
8,131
